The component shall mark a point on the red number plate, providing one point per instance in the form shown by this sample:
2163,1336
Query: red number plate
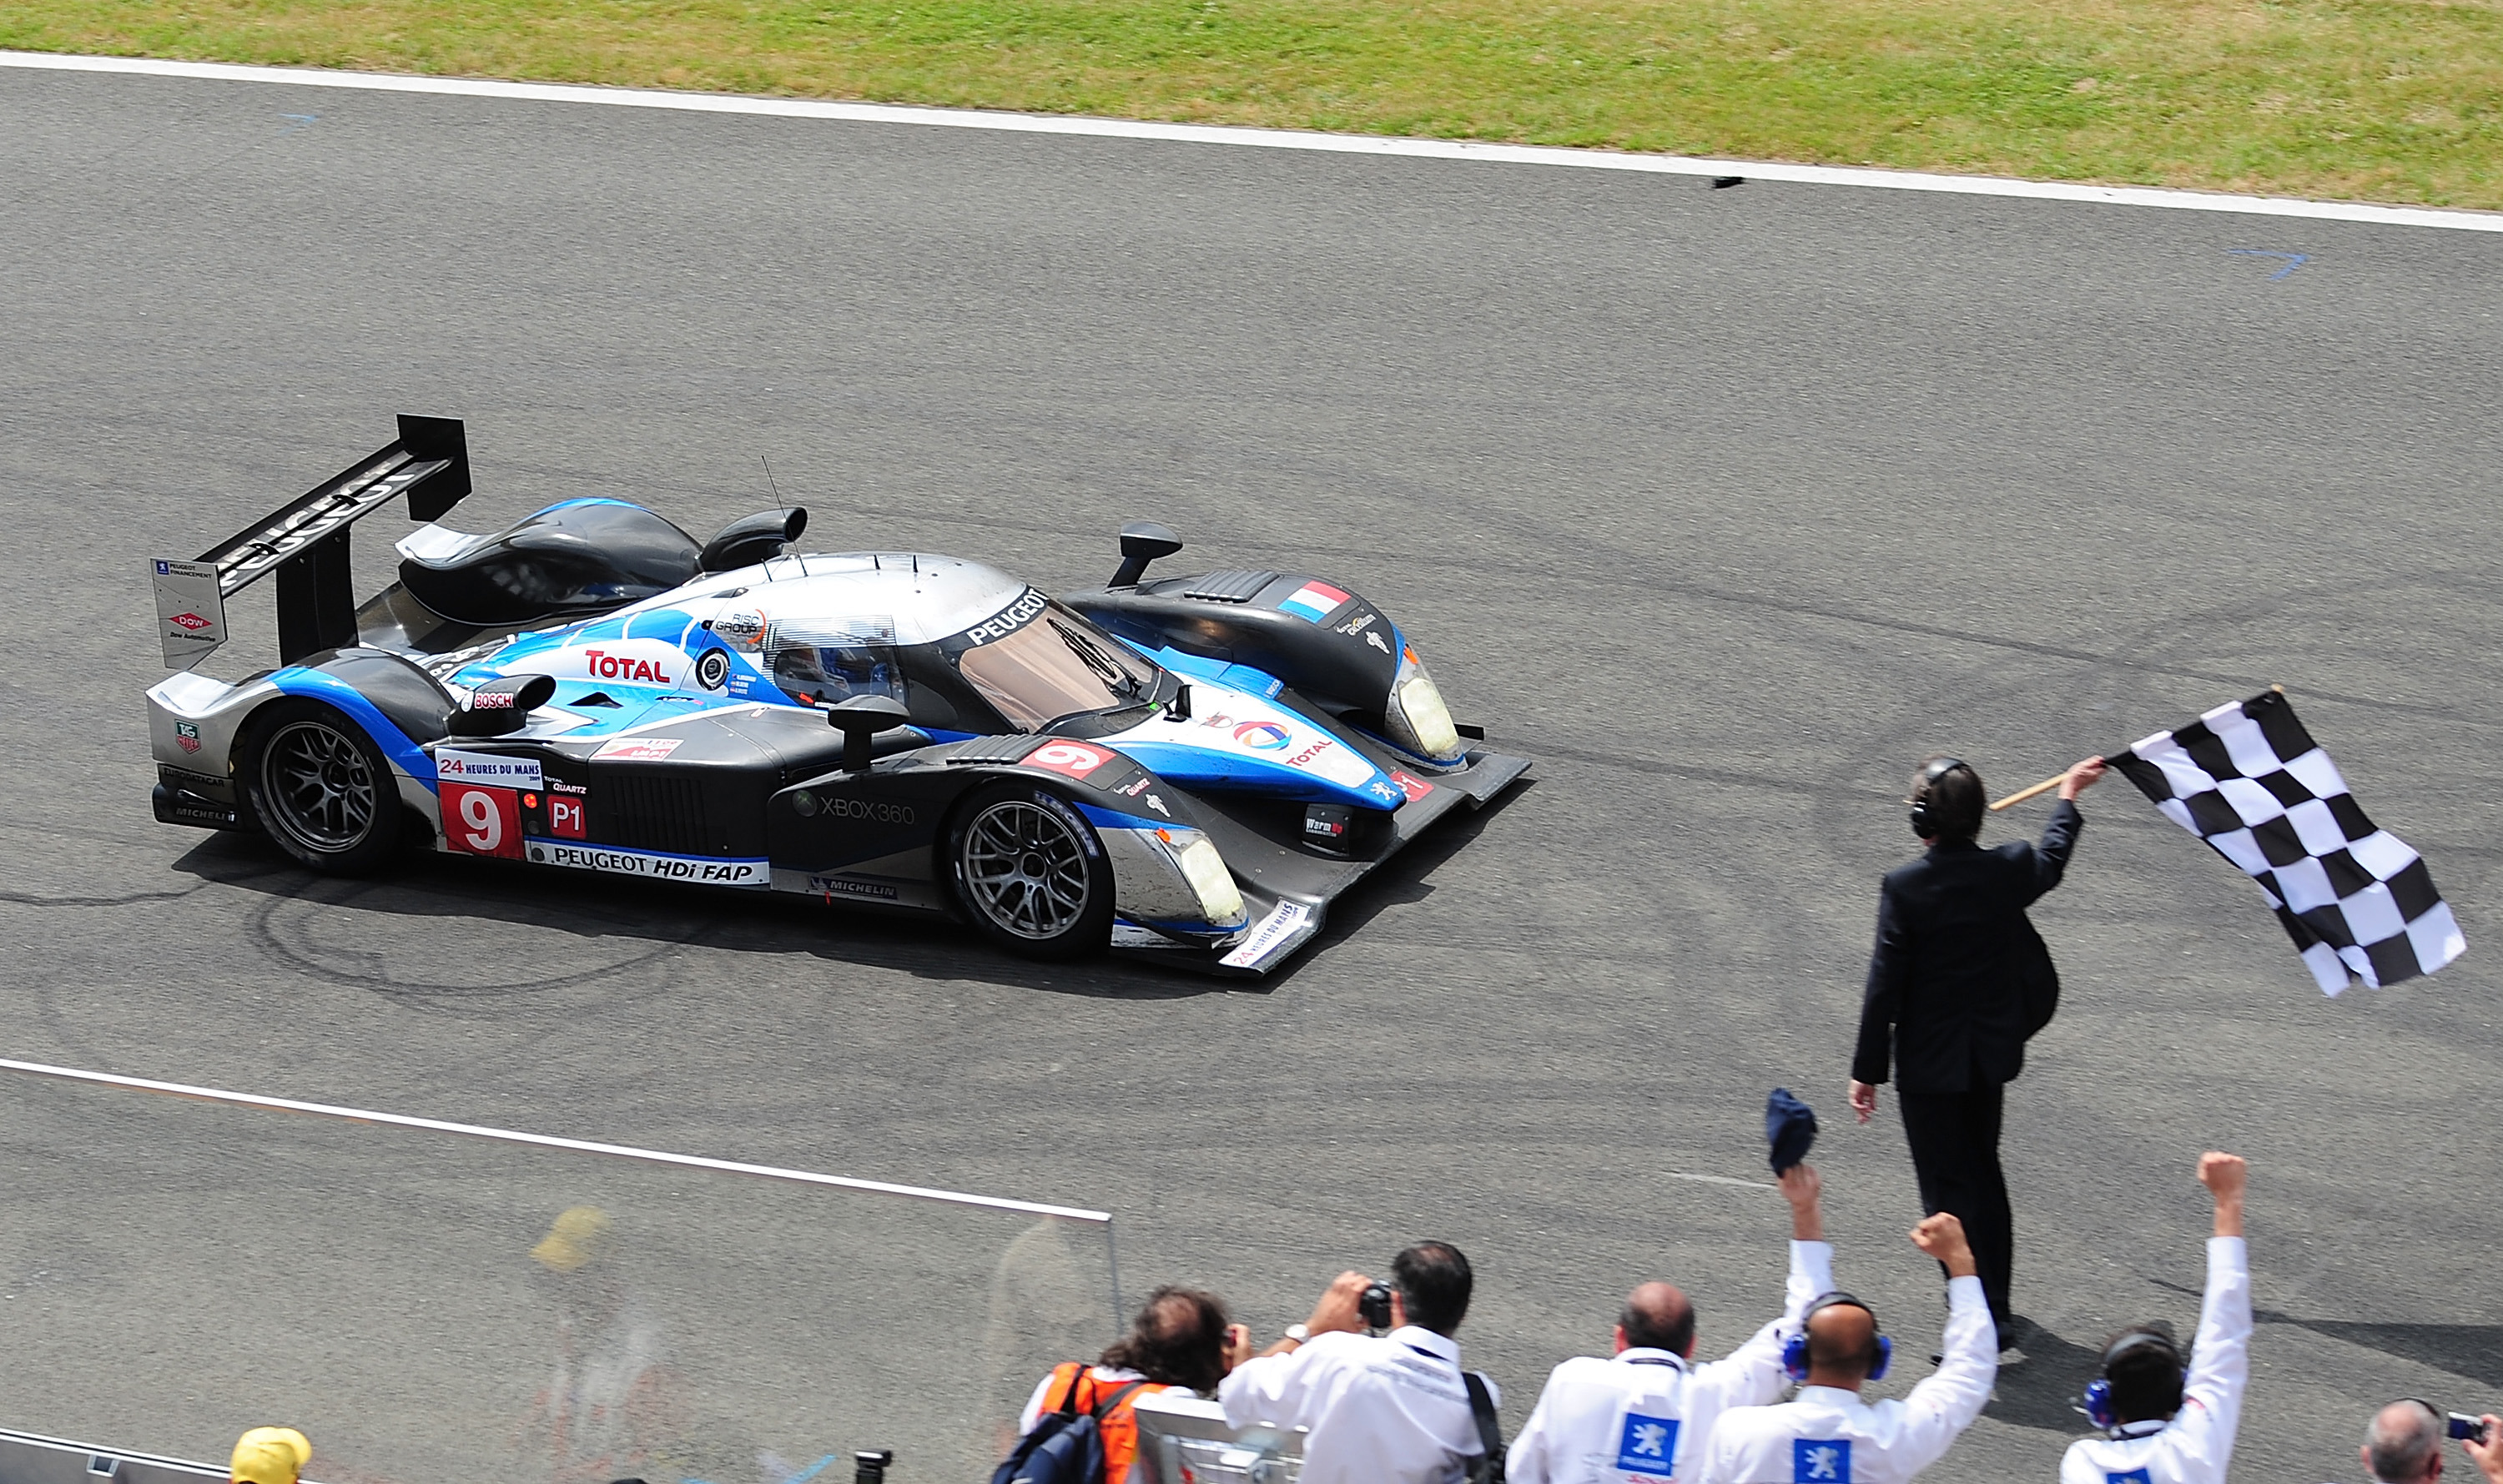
482,821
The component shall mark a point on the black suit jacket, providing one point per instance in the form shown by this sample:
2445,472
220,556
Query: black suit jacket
1947,985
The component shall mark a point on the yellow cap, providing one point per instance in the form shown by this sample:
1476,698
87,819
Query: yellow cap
270,1456
572,1242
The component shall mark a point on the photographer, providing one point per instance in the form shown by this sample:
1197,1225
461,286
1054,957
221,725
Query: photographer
2165,1423
1392,1409
1648,1411
2404,1444
2486,1448
1182,1342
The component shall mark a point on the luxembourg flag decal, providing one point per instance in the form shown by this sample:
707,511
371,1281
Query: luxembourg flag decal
1314,601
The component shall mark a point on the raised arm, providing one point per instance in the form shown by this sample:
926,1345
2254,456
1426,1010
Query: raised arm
1946,1402
2220,1356
1752,1374
1276,1385
2060,835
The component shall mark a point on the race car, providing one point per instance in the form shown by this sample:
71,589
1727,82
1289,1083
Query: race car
1192,767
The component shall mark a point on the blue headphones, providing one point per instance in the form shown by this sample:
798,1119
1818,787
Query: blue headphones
1925,820
2098,1403
1795,1348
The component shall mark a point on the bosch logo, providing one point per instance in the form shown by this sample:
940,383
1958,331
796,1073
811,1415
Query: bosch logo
189,621
874,812
491,700
1267,736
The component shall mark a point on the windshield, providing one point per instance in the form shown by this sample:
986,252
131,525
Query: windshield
1057,665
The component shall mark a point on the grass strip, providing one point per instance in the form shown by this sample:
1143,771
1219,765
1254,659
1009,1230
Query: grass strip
2379,100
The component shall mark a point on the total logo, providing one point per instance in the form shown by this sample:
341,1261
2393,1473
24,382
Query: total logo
1267,736
190,620
609,666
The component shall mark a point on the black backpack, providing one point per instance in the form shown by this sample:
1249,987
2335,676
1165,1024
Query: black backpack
1066,1446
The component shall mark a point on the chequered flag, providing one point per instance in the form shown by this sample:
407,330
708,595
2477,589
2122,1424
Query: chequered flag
2248,780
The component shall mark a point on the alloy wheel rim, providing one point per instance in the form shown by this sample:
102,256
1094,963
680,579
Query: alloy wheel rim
320,785
1025,870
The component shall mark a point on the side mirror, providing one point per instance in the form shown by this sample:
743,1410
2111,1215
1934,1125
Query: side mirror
759,537
860,719
1143,542
501,706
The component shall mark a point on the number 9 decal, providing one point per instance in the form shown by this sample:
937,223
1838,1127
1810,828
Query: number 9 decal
481,821
1074,759
483,829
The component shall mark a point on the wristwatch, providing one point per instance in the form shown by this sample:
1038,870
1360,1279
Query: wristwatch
1299,1332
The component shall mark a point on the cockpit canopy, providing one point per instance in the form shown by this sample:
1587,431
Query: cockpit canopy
949,638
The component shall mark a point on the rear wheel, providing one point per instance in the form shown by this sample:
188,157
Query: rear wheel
321,788
1030,873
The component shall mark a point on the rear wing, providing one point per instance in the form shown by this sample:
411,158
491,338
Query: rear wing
305,542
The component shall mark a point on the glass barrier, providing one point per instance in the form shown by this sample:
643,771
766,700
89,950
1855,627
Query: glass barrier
430,1303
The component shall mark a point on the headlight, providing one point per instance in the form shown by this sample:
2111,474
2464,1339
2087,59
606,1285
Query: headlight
1210,881
1417,717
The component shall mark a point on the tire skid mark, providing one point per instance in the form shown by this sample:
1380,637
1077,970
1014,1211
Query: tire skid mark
269,933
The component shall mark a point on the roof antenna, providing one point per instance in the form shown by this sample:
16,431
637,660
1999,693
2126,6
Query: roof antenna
777,491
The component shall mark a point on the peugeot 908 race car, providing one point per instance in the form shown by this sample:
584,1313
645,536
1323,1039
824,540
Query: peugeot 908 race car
1193,767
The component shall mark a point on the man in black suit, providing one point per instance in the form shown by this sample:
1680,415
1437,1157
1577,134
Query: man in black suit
1959,980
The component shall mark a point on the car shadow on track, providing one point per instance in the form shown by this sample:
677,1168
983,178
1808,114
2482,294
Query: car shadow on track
608,908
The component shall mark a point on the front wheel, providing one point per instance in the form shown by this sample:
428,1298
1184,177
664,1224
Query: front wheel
1030,873
321,788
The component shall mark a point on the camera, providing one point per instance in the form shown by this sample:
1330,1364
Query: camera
1374,1306
2467,1429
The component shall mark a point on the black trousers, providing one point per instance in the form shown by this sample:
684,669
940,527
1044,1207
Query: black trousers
1955,1154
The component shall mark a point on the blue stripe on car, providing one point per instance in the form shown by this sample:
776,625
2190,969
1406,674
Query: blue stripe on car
1184,764
1115,818
315,685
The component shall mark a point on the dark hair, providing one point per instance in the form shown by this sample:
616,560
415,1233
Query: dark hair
1954,798
1667,1326
1434,1283
2145,1377
2402,1455
1178,1339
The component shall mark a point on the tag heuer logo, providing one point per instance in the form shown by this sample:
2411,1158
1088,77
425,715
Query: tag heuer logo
186,736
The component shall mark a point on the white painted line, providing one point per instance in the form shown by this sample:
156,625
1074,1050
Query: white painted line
1282,139
1753,1185
548,1141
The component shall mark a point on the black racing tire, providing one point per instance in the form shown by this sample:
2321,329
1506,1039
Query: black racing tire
321,788
1029,872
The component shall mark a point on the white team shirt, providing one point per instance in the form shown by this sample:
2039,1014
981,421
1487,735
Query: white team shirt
2197,1444
1646,1416
1827,1435
1383,1409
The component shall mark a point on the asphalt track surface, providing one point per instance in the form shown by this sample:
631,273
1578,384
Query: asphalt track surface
1725,505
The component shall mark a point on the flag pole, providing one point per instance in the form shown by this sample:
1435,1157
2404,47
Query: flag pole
2022,794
